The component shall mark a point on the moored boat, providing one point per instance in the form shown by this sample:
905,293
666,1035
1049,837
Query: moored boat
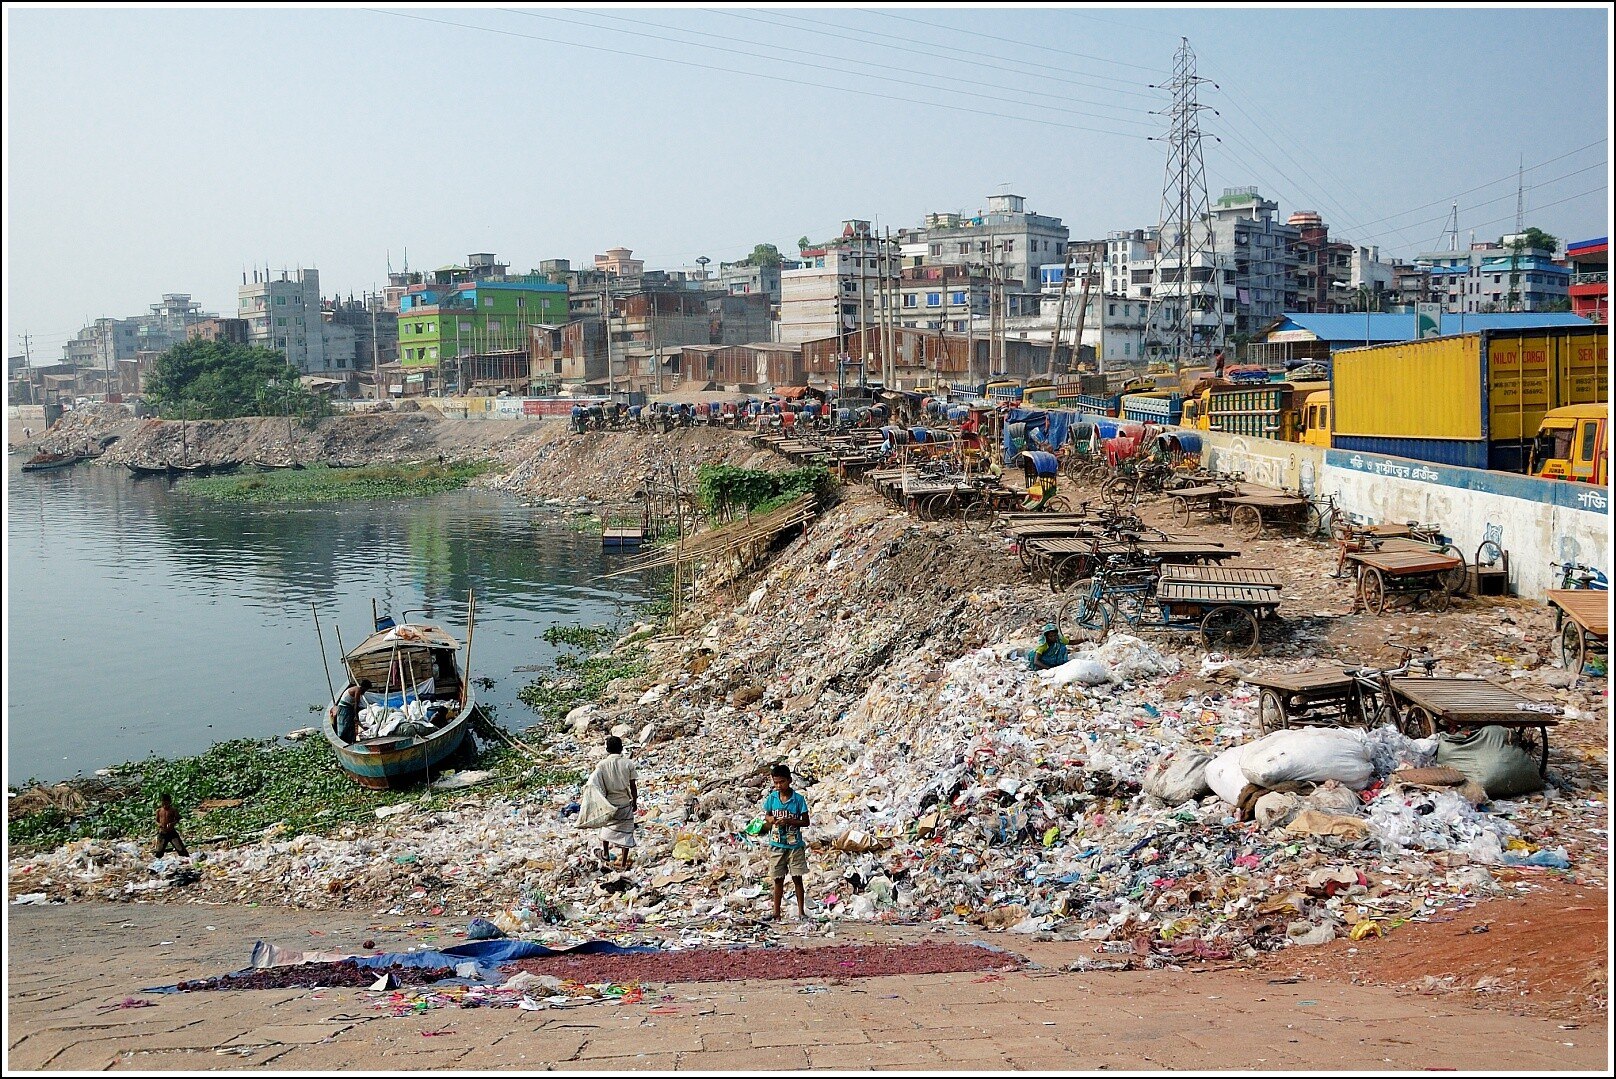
44,461
416,715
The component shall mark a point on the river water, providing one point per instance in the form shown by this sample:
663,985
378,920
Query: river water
142,620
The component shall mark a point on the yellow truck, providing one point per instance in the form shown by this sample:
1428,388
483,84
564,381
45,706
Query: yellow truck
1573,443
1289,412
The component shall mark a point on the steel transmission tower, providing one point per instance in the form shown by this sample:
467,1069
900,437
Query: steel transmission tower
1185,242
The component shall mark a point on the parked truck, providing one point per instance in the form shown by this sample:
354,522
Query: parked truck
1275,410
1475,399
1573,443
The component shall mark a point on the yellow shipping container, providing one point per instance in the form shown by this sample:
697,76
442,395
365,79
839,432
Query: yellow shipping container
1433,389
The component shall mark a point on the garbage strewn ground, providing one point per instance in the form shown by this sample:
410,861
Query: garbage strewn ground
882,659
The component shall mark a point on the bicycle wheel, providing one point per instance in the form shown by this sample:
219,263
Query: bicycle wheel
1455,579
1340,528
1372,590
1312,521
1271,715
1115,491
1418,722
1573,646
1089,619
977,515
1058,504
1230,630
1247,522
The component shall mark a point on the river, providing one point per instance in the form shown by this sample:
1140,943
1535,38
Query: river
145,621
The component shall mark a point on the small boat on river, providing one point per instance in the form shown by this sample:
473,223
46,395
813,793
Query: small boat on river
416,715
44,461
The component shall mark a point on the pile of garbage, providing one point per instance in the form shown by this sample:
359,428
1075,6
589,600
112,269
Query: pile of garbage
1123,799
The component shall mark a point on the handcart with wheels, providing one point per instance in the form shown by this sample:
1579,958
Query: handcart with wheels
1401,578
1583,623
1422,707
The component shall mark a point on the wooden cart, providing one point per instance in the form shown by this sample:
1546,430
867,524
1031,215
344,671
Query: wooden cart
1207,499
1324,697
1583,623
1065,560
1229,616
1388,578
1424,706
1249,514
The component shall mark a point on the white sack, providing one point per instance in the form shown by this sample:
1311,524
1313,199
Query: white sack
1312,754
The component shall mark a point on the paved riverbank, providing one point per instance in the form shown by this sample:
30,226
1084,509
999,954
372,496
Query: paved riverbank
69,968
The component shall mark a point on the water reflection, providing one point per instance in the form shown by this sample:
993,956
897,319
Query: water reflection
143,620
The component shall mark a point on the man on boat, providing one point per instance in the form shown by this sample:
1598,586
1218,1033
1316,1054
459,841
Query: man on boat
616,779
347,710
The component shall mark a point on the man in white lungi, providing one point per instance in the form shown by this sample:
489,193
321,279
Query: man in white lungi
616,779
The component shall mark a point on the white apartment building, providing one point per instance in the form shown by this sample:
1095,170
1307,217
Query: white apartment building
835,288
284,314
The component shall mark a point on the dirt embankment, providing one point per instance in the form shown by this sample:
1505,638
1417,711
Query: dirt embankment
538,458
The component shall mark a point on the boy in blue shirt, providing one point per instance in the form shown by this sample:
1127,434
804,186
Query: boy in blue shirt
785,812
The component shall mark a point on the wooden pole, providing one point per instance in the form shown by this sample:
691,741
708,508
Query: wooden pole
471,628
323,663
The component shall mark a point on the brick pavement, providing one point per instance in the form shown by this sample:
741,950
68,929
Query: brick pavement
66,965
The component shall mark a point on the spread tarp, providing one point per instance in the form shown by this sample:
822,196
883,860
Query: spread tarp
487,955
1056,423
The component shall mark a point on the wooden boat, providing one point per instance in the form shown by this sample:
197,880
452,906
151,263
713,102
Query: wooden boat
43,461
411,661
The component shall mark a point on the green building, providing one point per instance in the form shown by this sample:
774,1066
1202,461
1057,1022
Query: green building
443,323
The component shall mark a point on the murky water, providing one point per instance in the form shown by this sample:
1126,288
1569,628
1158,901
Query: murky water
141,620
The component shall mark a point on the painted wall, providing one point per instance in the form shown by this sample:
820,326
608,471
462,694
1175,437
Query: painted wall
1537,521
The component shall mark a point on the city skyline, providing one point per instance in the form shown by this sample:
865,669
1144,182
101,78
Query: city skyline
341,136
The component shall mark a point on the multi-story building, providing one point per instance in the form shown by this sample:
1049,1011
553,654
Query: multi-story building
375,329
620,262
1589,287
1256,253
748,279
103,343
440,325
106,341
833,291
1014,243
940,297
1496,277
231,330
1412,285
1129,256
284,314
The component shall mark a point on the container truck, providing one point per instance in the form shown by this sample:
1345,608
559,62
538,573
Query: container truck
1271,410
1161,406
1475,399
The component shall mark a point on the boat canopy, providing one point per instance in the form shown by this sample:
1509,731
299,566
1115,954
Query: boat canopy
406,636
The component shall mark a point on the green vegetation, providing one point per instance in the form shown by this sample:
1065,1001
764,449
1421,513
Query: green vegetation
763,255
584,638
574,681
220,380
724,489
321,484
300,788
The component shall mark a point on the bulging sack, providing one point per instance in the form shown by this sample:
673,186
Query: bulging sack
1178,777
1310,755
1487,756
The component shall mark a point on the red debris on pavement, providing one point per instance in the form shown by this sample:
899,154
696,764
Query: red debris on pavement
774,964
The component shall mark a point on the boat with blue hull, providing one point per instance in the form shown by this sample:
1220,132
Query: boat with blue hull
417,714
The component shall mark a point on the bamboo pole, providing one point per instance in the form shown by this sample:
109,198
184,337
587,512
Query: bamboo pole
471,628
327,667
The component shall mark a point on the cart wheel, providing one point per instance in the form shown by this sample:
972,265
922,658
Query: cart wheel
1438,600
977,516
1418,722
939,507
1062,574
1115,491
1023,556
1185,513
1455,579
1271,715
1230,630
1372,590
1312,523
1058,504
1089,619
1573,647
1247,522
1535,741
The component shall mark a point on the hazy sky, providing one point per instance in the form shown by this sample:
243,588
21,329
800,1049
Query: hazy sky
153,151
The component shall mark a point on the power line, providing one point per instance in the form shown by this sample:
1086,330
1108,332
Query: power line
751,74
1501,198
1021,67
1024,44
821,67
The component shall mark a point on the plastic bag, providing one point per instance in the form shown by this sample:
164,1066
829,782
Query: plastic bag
594,810
1082,667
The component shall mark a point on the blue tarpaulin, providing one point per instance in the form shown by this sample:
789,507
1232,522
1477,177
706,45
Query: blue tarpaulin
1055,423
488,955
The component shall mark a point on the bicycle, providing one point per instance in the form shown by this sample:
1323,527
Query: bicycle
1575,575
1374,696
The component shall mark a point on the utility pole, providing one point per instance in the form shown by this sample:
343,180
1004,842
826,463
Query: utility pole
863,321
606,315
27,351
375,350
1082,313
1060,311
890,286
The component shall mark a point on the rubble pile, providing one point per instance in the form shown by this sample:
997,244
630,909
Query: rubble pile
1125,800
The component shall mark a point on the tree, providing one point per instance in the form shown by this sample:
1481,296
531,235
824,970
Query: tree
221,380
764,255
1535,238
